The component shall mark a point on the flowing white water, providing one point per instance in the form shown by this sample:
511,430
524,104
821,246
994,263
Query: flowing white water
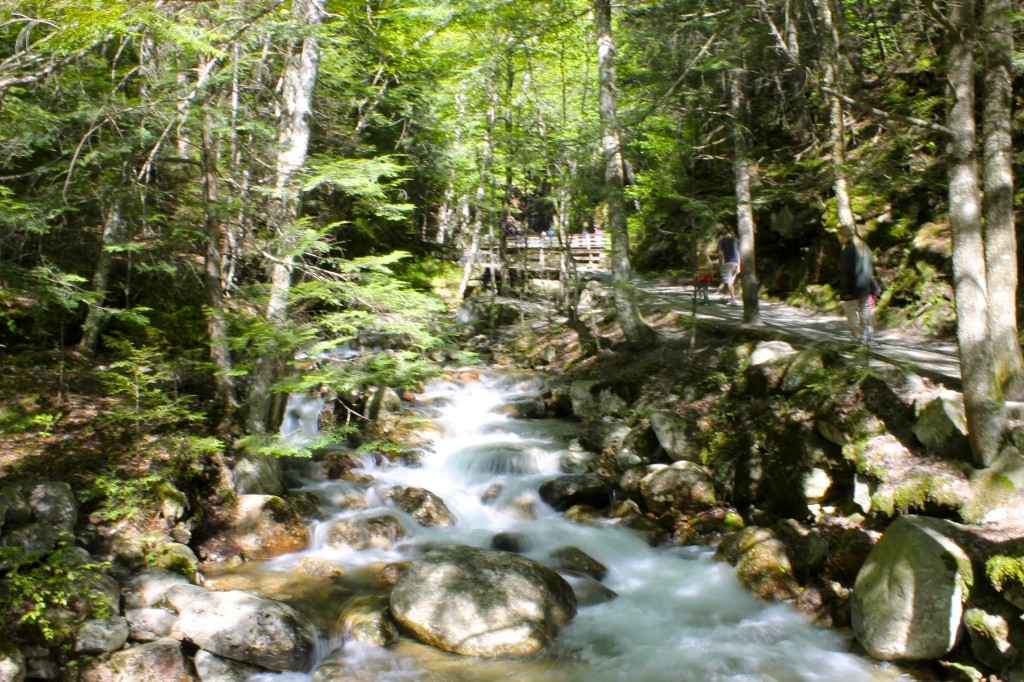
678,616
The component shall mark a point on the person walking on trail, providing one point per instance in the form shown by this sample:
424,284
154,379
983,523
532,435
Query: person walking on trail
729,263
857,287
704,277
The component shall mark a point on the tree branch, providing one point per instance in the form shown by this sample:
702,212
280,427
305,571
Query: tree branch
863,106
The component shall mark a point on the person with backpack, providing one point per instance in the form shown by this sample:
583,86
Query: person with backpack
729,263
857,285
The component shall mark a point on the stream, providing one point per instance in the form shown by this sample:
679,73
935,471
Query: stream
679,615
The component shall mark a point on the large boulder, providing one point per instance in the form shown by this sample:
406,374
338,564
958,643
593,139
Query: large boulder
213,668
12,662
569,490
482,602
265,526
674,436
148,589
908,600
243,627
596,399
258,475
683,486
160,660
102,635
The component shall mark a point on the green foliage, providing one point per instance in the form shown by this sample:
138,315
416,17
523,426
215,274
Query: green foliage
1005,570
143,382
117,497
38,588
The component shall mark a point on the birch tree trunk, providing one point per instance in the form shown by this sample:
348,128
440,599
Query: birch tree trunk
1000,232
299,81
832,77
744,208
634,327
982,400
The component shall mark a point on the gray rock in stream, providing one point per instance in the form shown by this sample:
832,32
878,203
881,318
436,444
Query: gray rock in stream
482,602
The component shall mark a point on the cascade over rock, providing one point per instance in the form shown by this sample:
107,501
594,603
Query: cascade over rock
482,602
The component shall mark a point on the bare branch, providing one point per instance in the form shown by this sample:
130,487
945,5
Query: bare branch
863,106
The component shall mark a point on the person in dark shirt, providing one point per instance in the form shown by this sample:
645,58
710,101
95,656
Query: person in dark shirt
729,263
857,288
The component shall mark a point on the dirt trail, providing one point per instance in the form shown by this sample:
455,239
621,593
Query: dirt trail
933,357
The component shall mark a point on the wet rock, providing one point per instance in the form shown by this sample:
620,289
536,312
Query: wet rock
213,668
524,408
384,403
572,489
12,663
102,635
684,486
319,568
243,627
160,660
909,597
376,531
427,508
265,526
576,560
342,466
762,563
482,602
589,591
509,542
368,619
604,435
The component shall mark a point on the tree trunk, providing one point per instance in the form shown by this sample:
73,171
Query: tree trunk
299,80
113,226
984,405
213,280
744,207
832,76
1000,234
634,327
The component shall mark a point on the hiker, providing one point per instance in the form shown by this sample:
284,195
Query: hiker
857,286
704,276
729,262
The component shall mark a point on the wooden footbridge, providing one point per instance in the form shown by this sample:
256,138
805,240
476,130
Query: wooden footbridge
539,256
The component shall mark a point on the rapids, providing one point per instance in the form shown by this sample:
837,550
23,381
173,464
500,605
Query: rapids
679,615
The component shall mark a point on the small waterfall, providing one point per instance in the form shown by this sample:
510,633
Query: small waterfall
679,615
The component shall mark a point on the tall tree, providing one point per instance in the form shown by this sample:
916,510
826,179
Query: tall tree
634,327
997,179
743,173
301,69
983,399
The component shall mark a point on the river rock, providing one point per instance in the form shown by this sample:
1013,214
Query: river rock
384,403
149,588
523,408
909,596
368,619
266,526
243,627
160,660
213,668
683,485
102,635
14,509
12,663
569,490
762,563
376,531
148,625
767,366
482,602
427,508
992,628
604,435
576,560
